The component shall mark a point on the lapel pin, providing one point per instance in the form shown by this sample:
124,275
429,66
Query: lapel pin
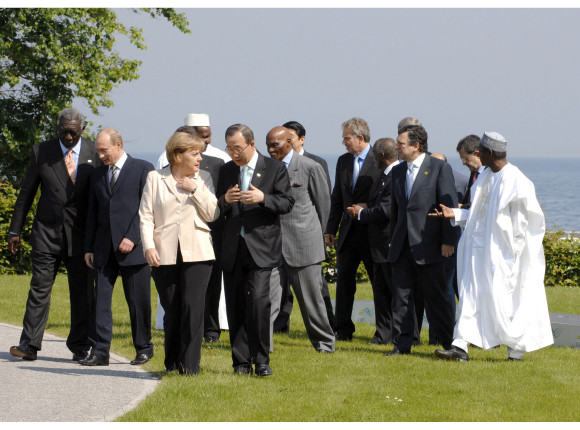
89,161
426,173
258,175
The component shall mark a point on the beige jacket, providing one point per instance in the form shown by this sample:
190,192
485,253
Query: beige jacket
169,217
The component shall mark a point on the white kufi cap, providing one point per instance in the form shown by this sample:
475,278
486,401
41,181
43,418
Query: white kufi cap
197,120
494,141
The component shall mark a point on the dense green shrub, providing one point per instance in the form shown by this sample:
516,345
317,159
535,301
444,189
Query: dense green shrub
20,263
562,253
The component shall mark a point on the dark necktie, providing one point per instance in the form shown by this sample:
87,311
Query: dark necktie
114,175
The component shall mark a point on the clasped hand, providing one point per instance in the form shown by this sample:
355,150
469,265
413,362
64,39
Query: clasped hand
248,197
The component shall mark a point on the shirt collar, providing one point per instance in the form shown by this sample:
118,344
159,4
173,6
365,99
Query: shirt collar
252,163
288,158
419,160
76,149
121,161
301,151
390,167
364,153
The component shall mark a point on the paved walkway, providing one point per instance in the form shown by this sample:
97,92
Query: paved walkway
55,388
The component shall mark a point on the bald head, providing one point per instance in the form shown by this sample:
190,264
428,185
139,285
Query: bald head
439,156
109,145
278,142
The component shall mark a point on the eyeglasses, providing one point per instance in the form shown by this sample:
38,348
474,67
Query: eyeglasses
236,151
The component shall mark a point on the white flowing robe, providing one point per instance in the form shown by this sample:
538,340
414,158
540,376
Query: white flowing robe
500,265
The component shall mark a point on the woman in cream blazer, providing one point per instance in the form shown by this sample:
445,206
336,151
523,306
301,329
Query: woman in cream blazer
177,203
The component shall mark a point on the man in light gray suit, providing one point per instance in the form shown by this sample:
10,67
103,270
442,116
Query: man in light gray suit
302,245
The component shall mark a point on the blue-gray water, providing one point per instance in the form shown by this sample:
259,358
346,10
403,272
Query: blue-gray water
556,180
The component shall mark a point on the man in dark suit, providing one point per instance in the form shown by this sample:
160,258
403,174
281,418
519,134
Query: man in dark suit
62,168
419,245
253,191
282,323
302,241
356,171
468,149
113,246
377,216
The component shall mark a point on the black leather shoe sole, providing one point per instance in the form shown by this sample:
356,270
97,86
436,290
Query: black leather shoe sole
93,360
26,353
263,370
141,359
78,357
452,354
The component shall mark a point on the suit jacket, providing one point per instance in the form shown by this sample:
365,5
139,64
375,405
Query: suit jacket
261,222
377,216
343,195
461,184
170,218
409,218
324,165
302,241
59,224
212,165
114,214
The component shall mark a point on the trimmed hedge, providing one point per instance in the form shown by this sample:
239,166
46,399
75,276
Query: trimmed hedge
562,250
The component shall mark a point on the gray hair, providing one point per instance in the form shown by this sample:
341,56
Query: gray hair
407,123
386,146
71,114
358,126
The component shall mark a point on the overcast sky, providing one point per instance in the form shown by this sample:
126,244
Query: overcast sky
460,71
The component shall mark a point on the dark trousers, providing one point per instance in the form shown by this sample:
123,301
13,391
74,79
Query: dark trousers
81,289
181,289
247,289
354,250
137,288
430,278
211,324
282,322
382,297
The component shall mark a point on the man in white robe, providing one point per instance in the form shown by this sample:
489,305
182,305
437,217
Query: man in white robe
500,261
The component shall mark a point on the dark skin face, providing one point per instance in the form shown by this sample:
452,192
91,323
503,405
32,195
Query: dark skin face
279,143
204,134
69,132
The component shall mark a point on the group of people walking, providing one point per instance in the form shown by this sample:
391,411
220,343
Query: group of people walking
261,224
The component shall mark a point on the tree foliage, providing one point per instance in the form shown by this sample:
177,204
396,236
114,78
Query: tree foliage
48,57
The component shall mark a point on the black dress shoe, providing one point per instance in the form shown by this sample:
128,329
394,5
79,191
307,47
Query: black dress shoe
263,370
243,370
454,353
343,337
376,341
78,356
397,352
24,351
95,360
141,359
211,339
514,359
324,351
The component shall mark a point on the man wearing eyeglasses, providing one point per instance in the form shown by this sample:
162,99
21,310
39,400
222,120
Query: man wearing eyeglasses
253,191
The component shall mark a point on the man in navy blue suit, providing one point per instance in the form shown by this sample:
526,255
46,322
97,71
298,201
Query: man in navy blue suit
418,245
113,246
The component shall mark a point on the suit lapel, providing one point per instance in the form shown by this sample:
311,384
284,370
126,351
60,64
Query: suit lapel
125,171
349,168
259,171
57,162
422,175
368,164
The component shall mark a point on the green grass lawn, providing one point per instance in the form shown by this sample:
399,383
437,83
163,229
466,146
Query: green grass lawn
357,383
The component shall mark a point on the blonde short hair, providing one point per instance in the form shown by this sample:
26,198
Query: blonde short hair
180,143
